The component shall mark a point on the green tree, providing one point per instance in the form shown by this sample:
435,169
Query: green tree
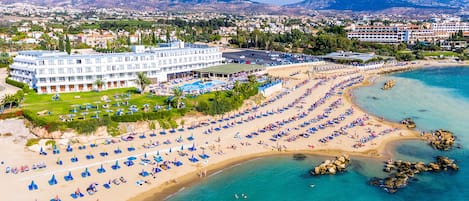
68,48
61,43
99,83
178,96
143,81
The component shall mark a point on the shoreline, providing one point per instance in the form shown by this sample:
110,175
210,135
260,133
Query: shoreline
325,102
386,148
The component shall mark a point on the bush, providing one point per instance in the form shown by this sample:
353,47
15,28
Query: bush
89,125
20,85
113,128
50,142
32,142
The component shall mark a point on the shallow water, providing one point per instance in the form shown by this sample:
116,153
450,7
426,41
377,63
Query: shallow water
435,98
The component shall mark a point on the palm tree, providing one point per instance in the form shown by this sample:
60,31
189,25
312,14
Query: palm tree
99,83
252,79
178,96
142,80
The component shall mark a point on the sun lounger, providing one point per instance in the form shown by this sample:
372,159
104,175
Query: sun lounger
107,186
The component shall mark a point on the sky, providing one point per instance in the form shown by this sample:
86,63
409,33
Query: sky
278,2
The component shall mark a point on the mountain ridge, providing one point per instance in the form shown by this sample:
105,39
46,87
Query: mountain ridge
377,5
249,6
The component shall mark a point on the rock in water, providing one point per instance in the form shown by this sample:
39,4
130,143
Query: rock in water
299,156
401,171
332,167
442,140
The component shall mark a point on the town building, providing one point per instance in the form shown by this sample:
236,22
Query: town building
53,72
379,34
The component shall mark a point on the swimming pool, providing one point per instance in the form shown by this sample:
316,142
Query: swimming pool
199,85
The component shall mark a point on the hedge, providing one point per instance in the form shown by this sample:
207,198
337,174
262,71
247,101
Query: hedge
20,85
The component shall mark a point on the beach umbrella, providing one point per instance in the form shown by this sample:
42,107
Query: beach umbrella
32,186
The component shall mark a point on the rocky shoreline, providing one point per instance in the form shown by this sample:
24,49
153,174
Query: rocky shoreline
402,172
332,167
442,140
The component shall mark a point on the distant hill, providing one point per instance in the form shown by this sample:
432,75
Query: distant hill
230,6
376,5
249,6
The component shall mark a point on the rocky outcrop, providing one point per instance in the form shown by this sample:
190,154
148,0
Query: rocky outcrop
403,171
409,123
388,85
332,167
442,140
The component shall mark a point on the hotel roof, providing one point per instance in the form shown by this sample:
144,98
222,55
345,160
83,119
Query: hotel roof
230,68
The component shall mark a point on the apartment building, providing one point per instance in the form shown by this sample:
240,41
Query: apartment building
53,72
379,34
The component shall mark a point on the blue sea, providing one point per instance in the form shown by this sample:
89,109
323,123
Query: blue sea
433,97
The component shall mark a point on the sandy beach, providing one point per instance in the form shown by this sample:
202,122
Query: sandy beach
323,103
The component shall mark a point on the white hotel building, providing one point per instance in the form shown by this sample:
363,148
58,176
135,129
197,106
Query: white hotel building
53,72
379,34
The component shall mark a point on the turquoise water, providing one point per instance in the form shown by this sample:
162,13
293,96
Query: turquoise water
199,85
435,98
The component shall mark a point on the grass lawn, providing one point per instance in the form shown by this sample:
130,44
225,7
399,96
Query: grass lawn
64,106
438,53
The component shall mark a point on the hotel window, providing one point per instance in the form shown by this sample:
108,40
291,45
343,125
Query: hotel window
51,71
88,69
97,60
144,66
41,62
137,66
62,79
80,78
52,79
129,67
152,57
129,74
41,71
88,61
79,70
61,62
71,79
69,61
142,58
78,61
122,75
109,59
61,71
89,77
98,69
99,76
70,70
51,62
127,58
42,80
